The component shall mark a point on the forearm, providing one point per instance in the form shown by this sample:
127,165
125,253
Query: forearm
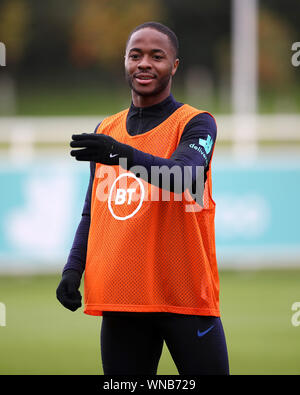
166,173
77,256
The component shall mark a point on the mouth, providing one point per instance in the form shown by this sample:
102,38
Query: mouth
144,78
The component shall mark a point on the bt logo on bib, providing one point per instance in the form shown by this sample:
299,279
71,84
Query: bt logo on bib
126,196
121,195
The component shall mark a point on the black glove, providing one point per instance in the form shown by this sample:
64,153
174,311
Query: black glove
68,290
100,148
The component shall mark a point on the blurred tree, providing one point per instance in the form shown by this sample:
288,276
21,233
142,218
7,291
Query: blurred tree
101,27
49,30
275,40
199,26
275,36
287,11
14,22
61,45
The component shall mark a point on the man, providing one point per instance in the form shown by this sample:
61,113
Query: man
151,272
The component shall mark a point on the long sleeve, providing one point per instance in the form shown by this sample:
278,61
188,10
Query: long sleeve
77,256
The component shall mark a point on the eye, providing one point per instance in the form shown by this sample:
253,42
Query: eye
134,56
158,57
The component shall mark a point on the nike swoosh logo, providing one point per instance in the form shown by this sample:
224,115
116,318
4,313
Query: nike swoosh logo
113,155
200,334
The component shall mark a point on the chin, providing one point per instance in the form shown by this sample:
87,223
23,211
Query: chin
145,93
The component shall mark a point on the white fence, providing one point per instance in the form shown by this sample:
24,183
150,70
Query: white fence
24,137
28,130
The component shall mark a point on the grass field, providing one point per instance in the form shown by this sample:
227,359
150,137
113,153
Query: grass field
62,98
41,337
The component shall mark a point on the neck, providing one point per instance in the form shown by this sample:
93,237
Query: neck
148,101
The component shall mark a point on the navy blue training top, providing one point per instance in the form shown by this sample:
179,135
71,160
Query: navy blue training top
141,120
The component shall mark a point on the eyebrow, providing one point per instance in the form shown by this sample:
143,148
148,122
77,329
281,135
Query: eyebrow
155,50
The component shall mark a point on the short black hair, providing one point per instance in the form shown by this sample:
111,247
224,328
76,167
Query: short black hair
162,29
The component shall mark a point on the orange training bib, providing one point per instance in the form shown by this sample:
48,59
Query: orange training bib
148,252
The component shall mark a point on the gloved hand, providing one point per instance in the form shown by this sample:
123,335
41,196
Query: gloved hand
68,290
100,148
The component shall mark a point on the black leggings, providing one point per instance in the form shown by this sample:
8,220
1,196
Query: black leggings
132,343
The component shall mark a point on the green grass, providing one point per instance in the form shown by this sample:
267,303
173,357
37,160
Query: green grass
58,99
257,315
41,337
71,102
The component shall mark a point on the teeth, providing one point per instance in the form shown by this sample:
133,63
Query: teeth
144,78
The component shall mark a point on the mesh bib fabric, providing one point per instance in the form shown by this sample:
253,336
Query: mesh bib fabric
149,250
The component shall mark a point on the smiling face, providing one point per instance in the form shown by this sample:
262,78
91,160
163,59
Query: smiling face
150,64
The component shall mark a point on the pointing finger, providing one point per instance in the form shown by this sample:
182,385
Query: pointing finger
82,143
82,136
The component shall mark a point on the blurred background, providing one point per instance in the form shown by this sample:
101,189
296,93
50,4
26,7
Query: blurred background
62,72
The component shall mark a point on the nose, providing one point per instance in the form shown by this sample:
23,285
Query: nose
144,63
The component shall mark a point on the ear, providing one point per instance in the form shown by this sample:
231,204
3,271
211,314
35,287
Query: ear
175,66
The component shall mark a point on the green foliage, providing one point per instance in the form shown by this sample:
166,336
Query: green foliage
52,46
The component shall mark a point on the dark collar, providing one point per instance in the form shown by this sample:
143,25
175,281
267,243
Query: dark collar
167,106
